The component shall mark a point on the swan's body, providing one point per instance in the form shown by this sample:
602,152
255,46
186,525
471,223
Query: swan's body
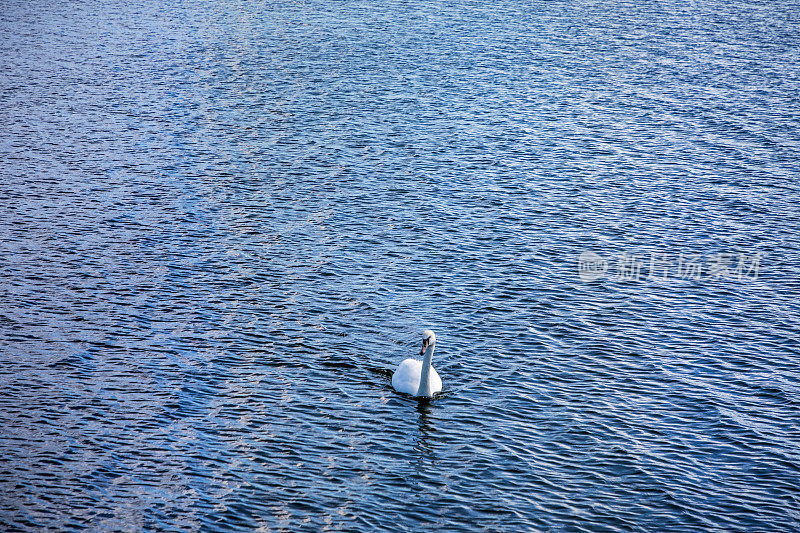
408,375
416,377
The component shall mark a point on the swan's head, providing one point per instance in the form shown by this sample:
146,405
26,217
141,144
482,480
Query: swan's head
428,339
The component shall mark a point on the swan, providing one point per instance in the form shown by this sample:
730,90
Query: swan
419,378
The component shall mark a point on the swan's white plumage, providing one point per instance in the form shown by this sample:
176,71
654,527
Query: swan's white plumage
406,377
410,374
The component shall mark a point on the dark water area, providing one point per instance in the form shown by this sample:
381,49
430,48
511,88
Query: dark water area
223,224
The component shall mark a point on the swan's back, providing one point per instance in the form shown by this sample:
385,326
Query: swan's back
407,377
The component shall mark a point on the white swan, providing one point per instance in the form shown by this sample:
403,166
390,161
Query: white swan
416,377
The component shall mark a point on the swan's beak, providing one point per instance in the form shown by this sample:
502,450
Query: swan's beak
424,347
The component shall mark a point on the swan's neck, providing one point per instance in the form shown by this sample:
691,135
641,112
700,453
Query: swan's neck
425,377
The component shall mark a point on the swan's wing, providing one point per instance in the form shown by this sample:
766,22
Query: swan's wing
436,381
406,377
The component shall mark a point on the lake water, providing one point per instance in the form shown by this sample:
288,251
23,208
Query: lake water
224,223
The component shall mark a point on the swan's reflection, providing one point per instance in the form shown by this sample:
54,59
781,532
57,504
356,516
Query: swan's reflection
424,444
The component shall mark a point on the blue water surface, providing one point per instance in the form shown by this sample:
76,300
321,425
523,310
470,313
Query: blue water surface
224,223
